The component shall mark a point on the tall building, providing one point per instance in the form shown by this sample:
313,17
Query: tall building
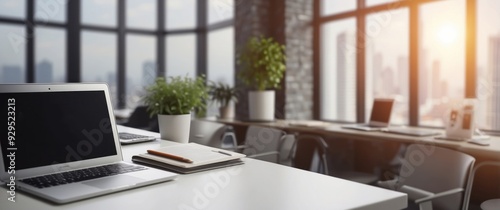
148,73
44,72
11,74
378,65
111,80
436,80
346,77
494,70
423,89
388,81
403,76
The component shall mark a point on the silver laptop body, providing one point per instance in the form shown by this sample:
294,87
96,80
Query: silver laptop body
379,118
60,129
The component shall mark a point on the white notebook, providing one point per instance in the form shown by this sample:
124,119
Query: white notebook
200,155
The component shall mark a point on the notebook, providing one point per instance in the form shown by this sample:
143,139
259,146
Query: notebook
189,158
65,146
379,118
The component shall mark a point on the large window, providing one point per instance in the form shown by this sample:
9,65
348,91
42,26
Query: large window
416,52
102,12
13,8
141,66
124,43
12,55
442,52
338,56
387,61
181,55
50,48
99,60
488,63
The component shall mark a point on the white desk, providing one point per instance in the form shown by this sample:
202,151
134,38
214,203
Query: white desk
253,185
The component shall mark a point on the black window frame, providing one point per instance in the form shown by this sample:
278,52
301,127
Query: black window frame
74,27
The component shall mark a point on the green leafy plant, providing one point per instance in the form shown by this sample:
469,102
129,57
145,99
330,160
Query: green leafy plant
263,63
222,93
179,95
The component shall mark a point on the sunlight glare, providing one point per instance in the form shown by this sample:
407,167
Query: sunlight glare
448,34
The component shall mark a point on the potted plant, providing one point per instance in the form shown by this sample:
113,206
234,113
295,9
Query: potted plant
173,102
263,65
223,94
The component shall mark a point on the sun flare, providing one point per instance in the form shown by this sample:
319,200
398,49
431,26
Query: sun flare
448,34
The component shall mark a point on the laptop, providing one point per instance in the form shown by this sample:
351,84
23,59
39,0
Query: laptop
62,143
132,138
379,118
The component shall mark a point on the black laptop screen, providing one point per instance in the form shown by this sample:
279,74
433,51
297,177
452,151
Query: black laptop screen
381,111
54,127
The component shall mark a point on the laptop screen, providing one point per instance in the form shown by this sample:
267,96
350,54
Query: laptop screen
56,127
381,111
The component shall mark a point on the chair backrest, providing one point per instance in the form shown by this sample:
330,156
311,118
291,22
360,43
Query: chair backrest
437,169
206,133
310,153
261,139
140,118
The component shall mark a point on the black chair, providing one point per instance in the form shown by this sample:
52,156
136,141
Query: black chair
140,119
312,154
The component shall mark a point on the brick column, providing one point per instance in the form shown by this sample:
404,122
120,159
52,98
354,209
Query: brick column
289,23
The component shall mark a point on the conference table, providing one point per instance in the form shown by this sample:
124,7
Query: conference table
254,185
490,152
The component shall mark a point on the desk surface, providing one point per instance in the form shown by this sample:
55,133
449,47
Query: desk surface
253,185
335,129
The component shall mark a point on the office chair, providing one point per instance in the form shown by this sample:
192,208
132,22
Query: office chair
212,134
434,178
263,143
312,154
492,204
141,119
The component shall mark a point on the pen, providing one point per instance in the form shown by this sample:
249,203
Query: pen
222,152
169,156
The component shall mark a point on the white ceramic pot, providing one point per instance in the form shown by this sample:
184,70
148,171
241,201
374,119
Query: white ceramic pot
261,105
226,112
175,127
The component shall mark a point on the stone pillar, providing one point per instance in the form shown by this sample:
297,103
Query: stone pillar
289,23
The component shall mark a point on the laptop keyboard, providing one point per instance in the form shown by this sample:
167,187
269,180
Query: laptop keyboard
81,175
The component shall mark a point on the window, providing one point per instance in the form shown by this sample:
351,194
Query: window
181,14
442,52
387,64
377,2
50,10
99,12
388,49
338,56
50,55
220,60
13,8
488,64
221,56
127,53
141,66
220,10
12,54
141,14
99,60
181,57
329,7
